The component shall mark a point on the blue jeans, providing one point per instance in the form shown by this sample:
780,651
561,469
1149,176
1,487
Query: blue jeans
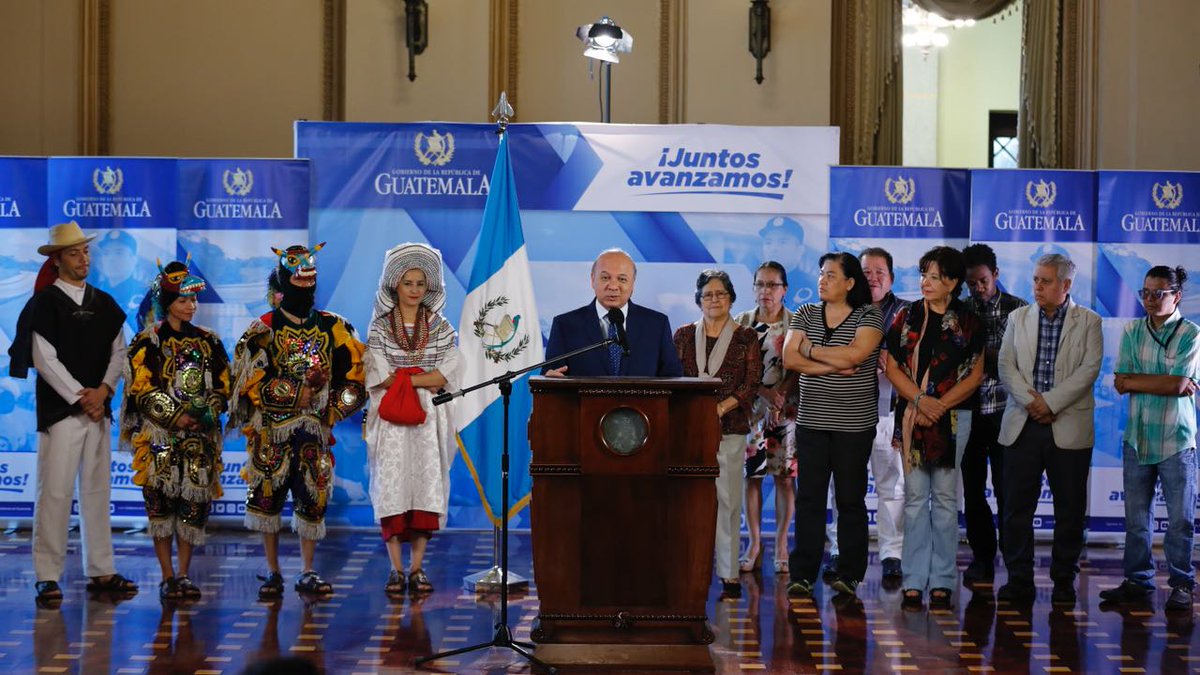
1178,476
931,520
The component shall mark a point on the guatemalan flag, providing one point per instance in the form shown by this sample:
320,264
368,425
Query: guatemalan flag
499,332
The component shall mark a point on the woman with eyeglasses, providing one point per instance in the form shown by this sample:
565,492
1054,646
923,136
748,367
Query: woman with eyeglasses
834,345
935,362
770,447
715,346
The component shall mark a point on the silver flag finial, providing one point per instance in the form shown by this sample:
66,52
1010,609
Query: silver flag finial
503,112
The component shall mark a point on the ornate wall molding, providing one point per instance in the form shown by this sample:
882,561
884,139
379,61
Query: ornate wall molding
672,64
95,77
1087,84
503,40
333,60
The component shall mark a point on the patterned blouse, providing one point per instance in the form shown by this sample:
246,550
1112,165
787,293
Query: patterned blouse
947,353
740,373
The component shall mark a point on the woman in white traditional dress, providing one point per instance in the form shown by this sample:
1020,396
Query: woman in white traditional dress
410,461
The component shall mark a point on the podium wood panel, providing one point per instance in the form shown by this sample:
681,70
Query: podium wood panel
623,545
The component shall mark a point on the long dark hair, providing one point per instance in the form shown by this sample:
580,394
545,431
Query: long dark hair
860,292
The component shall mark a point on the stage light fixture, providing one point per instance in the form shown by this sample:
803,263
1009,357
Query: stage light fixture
603,40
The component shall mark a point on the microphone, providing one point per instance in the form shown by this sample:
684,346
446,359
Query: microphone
617,319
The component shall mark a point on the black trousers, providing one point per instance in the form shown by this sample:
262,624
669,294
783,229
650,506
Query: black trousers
982,449
842,455
1067,473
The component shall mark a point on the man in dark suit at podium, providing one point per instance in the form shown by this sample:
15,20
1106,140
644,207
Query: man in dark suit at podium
651,350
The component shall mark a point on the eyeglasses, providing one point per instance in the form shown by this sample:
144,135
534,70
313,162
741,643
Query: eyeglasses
714,296
1156,293
759,285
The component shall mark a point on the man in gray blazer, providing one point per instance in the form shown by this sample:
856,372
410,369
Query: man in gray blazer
1049,360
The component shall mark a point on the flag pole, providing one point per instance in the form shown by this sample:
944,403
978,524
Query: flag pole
490,580
503,636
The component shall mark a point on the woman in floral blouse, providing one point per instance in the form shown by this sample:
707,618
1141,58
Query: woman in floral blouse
770,447
935,362
715,346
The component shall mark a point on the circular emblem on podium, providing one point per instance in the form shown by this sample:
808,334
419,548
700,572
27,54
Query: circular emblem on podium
624,430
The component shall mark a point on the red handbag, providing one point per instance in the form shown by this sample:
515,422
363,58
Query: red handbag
400,405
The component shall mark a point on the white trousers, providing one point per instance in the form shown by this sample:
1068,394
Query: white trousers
731,459
888,469
75,448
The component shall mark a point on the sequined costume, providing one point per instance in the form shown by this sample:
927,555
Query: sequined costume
171,373
288,444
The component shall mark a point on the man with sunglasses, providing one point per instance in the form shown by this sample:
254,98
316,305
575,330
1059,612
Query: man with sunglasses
1158,366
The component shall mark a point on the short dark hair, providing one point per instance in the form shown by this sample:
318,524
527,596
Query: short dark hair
979,254
879,252
1175,276
860,292
950,265
772,265
707,276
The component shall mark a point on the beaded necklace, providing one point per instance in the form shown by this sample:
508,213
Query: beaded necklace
415,342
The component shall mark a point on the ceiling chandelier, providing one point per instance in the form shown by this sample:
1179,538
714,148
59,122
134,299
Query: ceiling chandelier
923,29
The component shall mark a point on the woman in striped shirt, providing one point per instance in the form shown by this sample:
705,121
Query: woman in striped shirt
834,345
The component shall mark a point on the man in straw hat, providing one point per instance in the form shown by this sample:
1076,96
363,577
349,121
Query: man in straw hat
78,348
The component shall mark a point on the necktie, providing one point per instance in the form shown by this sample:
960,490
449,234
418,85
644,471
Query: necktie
614,351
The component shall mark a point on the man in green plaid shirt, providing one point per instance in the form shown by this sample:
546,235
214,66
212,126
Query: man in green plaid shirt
1159,367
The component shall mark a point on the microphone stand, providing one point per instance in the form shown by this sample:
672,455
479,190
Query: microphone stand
503,636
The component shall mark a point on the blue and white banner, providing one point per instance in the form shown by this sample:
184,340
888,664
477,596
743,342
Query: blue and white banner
679,199
1145,218
906,211
225,213
1024,214
22,213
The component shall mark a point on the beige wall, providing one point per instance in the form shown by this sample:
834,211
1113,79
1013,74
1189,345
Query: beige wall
228,77
215,78
719,71
979,71
39,82
452,74
553,73
1148,102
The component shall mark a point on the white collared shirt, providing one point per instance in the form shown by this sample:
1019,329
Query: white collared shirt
45,356
602,311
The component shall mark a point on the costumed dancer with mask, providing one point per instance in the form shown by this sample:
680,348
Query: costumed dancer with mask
177,386
411,355
296,372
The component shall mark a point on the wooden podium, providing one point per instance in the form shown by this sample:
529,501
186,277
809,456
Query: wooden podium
623,515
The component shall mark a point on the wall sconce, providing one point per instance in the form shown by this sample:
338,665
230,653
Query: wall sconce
760,34
416,32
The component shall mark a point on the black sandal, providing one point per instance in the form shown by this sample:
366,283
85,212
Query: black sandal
396,584
939,597
115,583
48,591
168,589
418,582
911,598
272,588
188,588
311,582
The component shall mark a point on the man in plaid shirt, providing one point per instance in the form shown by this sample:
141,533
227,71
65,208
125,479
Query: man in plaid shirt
1159,368
1049,361
992,305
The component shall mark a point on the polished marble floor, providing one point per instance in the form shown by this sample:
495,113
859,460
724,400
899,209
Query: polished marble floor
359,630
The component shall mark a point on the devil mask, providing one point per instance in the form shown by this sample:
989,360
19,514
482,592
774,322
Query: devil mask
295,279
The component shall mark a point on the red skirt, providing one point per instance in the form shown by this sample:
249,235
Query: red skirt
405,525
